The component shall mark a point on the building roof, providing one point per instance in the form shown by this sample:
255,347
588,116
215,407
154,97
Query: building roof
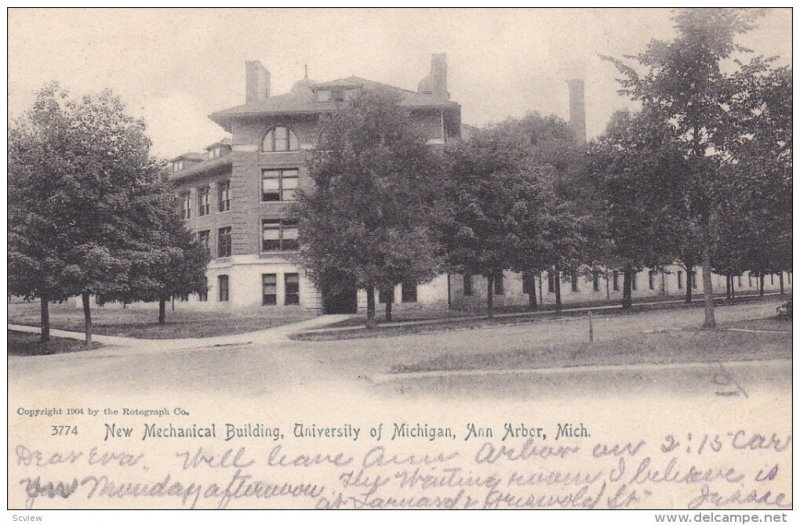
219,164
223,142
190,156
301,100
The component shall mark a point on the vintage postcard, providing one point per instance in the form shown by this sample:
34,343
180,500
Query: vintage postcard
464,259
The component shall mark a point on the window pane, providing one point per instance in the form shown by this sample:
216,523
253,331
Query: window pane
269,288
292,288
267,145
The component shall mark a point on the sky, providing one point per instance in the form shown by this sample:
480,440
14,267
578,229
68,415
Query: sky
173,67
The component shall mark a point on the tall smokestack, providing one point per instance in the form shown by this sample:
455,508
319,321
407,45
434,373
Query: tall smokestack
439,75
256,82
577,110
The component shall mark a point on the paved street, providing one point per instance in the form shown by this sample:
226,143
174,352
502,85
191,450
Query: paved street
265,367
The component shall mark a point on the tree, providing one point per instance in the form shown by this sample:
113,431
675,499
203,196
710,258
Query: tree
88,162
636,172
369,219
684,81
166,261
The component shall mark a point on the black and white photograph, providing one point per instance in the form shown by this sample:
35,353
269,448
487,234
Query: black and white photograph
462,259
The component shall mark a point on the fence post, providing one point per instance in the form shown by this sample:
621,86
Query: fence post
591,328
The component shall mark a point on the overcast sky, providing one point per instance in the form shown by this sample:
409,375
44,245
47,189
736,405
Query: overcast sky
174,67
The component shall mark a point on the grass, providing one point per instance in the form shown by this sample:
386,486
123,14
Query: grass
141,323
24,344
449,320
770,324
668,347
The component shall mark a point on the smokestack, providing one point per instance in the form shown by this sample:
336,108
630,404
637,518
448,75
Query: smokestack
256,82
439,75
577,110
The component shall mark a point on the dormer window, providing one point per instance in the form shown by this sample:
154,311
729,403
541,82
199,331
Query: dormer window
177,165
213,153
279,139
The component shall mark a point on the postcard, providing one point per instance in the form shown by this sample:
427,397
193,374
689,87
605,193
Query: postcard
462,259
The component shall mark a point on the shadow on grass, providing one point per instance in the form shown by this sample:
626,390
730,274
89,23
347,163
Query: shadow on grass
24,344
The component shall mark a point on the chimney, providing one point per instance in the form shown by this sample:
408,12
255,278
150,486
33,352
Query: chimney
577,110
439,75
256,82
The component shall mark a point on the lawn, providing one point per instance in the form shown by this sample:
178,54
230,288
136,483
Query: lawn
142,323
668,347
24,344
354,328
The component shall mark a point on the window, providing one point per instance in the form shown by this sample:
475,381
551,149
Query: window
177,165
202,201
596,281
269,289
634,275
680,280
750,279
214,153
772,278
409,292
574,279
291,291
224,242
739,281
202,240
386,297
615,280
651,279
467,284
279,185
527,280
224,195
279,139
203,296
186,205
551,283
694,279
222,284
499,286
278,235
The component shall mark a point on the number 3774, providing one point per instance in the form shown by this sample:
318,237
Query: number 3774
63,430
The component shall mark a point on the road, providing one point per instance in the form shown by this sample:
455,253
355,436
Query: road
292,366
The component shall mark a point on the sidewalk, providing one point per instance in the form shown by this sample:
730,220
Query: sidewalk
268,336
549,314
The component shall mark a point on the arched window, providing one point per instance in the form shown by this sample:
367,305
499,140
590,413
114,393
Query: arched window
280,139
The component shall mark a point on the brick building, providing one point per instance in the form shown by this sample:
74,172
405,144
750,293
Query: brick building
237,195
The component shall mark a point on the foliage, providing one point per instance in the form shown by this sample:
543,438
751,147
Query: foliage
370,216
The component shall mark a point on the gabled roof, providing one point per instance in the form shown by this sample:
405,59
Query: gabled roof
301,100
212,166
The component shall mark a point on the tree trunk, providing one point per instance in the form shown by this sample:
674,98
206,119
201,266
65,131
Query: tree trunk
162,310
780,279
708,290
689,268
45,307
87,316
663,290
371,307
627,282
389,301
728,279
490,296
761,284
733,288
532,306
541,296
608,288
557,284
